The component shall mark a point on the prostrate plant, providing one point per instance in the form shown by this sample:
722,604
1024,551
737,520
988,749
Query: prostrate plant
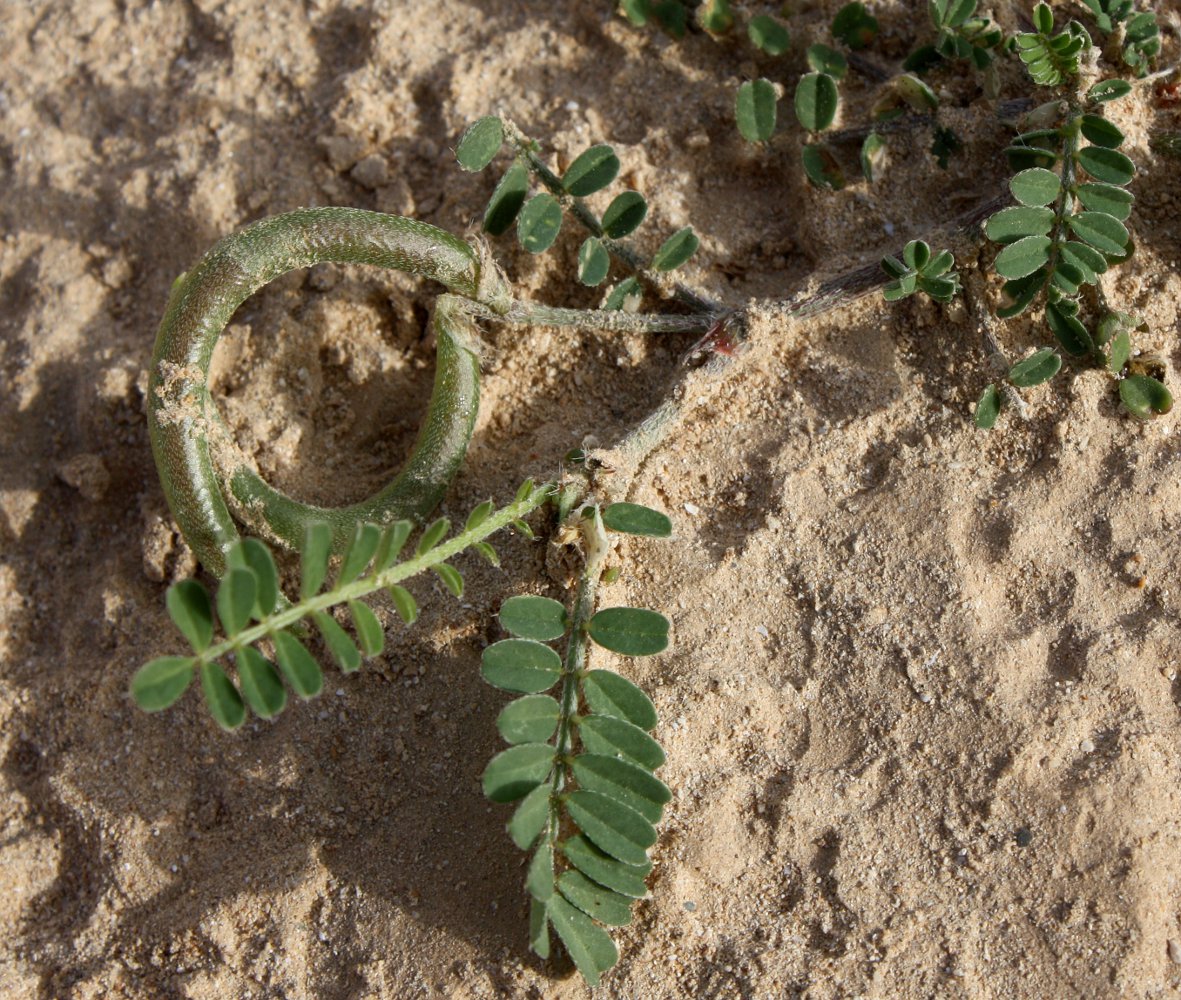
539,218
816,100
1136,35
1068,226
961,35
919,271
580,764
250,592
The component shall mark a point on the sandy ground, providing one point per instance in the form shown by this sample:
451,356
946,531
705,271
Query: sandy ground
922,708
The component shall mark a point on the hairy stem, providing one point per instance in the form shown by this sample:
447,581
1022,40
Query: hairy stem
615,320
574,666
366,585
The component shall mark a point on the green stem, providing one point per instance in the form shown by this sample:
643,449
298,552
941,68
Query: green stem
1066,186
595,538
366,585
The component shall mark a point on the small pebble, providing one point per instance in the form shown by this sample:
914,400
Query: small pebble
691,906
1024,837
1087,746
1174,952
692,509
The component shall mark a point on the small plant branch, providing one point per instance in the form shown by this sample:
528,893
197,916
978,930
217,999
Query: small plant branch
615,321
574,666
366,585
526,148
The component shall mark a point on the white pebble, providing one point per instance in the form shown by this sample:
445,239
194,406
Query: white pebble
692,509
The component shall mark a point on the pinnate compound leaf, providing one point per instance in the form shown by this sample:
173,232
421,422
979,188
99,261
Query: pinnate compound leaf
1012,224
873,150
608,693
827,60
821,167
404,603
593,262
159,683
769,35
1107,165
531,719
605,734
225,704
252,554
514,773
625,295
317,545
521,665
529,617
191,611
715,16
628,880
1143,396
1101,132
1121,350
262,688
369,630
1102,231
816,100
1069,331
1108,90
621,780
677,249
624,215
1039,367
854,26
591,171
434,533
539,881
235,599
635,519
1022,258
1106,198
1085,257
756,109
530,818
900,289
614,828
630,631
538,928
595,901
524,491
361,549
392,542
1020,292
480,143
451,577
298,665
486,552
916,254
539,223
588,945
1035,187
344,651
506,201
988,408
478,516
